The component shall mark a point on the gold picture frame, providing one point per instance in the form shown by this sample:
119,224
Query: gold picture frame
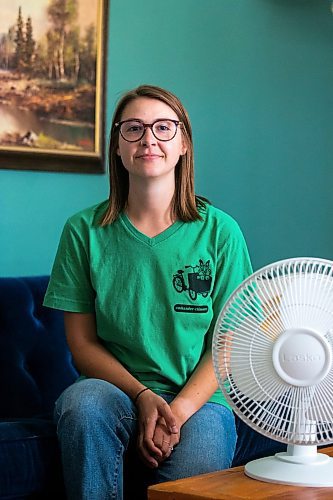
52,79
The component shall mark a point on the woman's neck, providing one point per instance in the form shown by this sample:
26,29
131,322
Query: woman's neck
150,208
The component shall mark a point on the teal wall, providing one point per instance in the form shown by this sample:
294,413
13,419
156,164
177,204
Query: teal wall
257,79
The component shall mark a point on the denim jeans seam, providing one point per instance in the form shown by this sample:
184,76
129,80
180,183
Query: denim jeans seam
127,417
114,493
128,413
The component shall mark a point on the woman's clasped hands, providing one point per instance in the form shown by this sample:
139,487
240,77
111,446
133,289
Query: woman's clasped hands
158,429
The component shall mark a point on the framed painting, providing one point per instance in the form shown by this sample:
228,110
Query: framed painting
52,67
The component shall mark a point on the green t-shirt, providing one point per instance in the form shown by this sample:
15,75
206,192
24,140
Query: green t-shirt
157,299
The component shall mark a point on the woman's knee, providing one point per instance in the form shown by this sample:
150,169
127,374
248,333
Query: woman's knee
91,399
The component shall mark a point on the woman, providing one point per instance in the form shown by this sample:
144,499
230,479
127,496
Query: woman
142,278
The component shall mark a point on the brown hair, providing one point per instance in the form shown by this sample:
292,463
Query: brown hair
186,205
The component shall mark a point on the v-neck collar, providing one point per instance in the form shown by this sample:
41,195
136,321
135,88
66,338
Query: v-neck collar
169,231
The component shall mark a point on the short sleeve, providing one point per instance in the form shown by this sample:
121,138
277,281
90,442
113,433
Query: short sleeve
70,287
234,266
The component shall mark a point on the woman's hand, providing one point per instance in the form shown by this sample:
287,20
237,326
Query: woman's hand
152,409
164,439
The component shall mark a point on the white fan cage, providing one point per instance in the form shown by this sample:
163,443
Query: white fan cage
272,351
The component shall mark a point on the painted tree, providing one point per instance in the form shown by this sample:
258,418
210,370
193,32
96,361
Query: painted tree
40,66
72,54
3,52
52,55
29,43
88,55
63,15
7,48
19,42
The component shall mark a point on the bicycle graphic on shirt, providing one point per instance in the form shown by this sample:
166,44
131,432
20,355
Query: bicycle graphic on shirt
199,280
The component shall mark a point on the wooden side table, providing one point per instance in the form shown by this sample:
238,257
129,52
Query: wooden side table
233,484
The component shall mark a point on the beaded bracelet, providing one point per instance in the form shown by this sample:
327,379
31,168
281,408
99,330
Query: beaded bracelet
139,393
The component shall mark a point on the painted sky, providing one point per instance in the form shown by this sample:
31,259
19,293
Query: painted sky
37,10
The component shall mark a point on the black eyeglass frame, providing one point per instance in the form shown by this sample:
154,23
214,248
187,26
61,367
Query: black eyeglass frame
150,125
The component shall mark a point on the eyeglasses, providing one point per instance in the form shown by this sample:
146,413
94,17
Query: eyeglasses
134,130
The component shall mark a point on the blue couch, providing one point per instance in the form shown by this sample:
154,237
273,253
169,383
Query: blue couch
35,367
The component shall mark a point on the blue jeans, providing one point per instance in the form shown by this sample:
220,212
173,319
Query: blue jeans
97,426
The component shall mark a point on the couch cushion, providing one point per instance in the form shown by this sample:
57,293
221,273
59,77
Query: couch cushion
35,363
29,459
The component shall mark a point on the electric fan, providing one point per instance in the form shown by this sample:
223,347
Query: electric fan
272,355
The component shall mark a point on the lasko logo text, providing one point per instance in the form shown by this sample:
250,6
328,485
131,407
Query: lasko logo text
307,357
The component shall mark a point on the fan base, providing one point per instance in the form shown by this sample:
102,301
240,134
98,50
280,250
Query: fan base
276,470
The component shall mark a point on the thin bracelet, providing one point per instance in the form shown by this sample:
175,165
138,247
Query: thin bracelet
139,393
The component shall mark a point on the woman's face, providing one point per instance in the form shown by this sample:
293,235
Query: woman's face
150,157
